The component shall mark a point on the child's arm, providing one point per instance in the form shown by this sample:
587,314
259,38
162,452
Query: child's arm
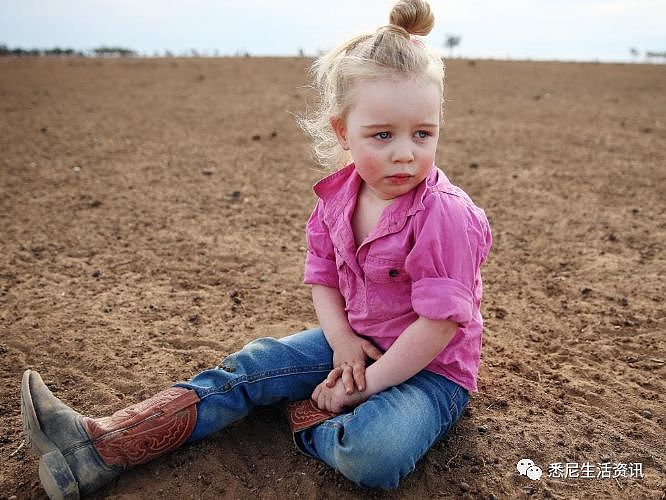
414,349
349,350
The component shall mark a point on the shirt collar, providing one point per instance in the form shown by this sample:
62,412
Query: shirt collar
339,187
331,185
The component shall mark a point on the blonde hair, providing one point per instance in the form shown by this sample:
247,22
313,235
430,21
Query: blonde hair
388,52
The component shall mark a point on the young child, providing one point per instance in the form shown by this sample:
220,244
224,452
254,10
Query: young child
394,251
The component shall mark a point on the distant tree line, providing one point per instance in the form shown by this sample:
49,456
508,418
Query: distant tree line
67,52
657,55
649,54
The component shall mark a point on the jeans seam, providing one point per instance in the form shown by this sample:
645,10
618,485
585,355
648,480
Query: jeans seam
332,424
259,377
454,398
287,371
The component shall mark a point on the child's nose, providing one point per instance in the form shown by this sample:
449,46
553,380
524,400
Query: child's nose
402,152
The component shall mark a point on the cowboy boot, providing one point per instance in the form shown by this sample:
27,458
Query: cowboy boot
80,454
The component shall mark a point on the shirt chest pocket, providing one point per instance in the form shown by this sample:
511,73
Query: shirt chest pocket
388,287
385,272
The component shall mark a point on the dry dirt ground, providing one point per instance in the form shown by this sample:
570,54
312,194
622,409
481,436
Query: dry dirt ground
152,216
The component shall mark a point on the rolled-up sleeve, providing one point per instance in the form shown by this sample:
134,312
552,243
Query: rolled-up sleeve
320,267
452,240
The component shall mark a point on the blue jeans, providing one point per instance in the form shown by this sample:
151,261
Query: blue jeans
375,445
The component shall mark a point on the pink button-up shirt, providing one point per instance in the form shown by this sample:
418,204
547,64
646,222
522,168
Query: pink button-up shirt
422,259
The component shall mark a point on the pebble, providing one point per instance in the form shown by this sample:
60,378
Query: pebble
482,429
464,486
646,413
500,312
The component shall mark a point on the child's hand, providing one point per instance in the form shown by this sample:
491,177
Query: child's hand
349,363
336,398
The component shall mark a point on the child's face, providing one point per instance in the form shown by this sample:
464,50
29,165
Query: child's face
391,131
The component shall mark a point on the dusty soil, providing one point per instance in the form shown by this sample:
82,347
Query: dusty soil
152,217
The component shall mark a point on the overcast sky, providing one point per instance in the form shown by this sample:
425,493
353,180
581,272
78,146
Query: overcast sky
601,30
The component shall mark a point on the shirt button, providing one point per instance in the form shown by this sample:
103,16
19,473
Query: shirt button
393,273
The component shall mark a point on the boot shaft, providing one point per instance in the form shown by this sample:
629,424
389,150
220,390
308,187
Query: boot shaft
139,433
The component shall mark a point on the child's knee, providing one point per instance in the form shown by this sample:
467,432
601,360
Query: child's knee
250,356
372,465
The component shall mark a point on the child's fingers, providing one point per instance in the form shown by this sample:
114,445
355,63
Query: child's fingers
321,402
333,376
359,376
319,398
326,403
348,379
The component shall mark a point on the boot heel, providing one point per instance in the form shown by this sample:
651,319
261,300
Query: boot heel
57,478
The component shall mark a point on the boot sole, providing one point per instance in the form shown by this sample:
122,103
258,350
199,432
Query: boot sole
54,472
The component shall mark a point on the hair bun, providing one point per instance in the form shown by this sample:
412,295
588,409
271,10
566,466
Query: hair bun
414,16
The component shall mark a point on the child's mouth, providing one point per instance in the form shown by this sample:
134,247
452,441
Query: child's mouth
399,178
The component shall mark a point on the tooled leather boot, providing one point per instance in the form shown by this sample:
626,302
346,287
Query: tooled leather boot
80,454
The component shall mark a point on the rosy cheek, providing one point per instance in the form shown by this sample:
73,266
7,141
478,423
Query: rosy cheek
370,164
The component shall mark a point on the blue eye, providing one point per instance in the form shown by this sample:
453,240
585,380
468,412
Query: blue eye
422,134
383,135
